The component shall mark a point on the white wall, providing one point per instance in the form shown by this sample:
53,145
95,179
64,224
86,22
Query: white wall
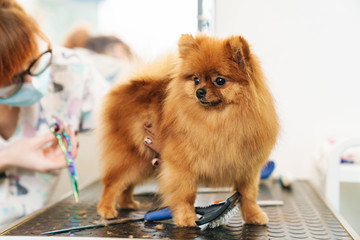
150,27
310,53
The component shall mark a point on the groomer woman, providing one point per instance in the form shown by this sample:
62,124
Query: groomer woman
38,83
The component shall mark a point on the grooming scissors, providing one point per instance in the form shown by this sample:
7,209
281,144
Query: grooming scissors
58,130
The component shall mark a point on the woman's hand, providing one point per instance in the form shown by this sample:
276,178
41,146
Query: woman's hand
41,153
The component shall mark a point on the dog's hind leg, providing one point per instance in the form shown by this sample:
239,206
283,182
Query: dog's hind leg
107,205
119,182
126,198
119,191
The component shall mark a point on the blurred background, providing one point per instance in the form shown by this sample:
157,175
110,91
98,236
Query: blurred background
149,27
309,51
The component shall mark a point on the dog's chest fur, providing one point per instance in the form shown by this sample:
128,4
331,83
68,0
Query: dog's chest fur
214,149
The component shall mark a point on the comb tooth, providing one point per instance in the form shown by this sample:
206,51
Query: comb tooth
224,218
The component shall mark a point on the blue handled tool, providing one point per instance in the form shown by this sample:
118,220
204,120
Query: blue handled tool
267,169
213,215
161,214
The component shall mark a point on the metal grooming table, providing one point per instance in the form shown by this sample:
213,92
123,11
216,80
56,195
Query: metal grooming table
304,215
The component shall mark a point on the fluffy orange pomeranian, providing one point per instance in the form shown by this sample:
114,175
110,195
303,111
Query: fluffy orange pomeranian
212,117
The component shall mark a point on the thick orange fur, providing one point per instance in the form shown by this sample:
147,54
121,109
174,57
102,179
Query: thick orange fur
220,144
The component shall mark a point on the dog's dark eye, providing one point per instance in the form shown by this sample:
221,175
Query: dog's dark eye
196,81
220,81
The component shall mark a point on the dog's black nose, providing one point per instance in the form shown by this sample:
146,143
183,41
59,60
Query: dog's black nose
200,93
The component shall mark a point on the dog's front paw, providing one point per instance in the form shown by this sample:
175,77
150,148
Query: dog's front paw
256,218
185,218
107,212
187,221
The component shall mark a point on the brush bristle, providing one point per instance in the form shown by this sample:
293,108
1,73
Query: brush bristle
223,219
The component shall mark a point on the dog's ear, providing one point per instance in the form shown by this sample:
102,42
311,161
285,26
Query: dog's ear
238,49
186,43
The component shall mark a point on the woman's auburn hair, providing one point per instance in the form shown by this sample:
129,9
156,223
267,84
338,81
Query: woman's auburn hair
19,35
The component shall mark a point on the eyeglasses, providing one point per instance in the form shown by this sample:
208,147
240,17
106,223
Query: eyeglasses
38,66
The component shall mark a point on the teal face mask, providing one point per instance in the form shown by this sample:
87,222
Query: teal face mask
30,93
